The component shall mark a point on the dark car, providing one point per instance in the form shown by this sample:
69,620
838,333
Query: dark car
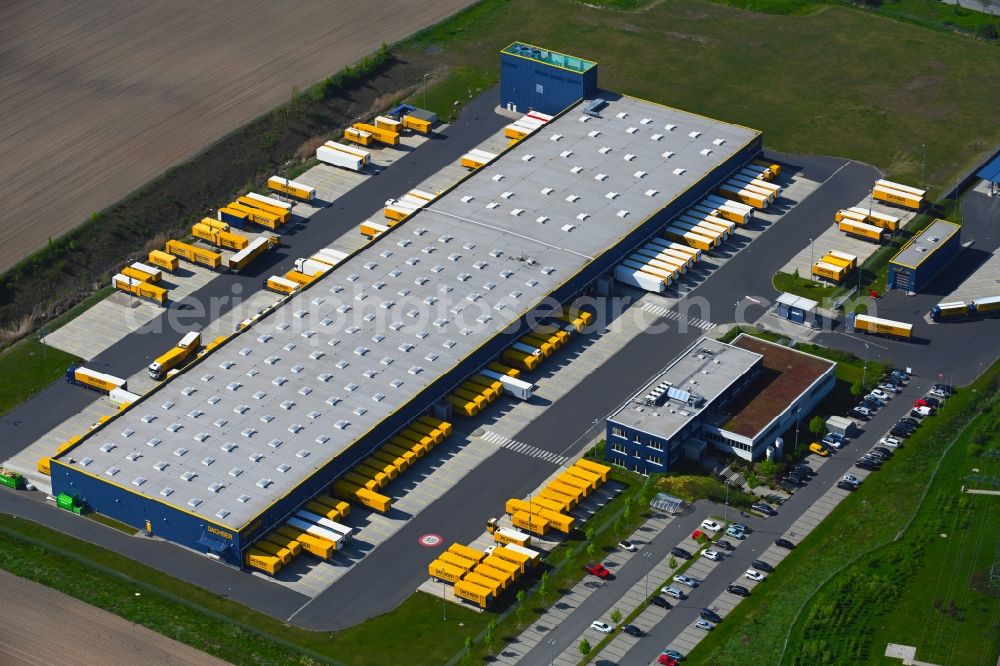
870,404
844,485
875,456
710,615
633,630
677,551
864,464
674,654
799,474
900,375
738,590
802,467
909,420
724,545
883,450
761,565
944,388
775,499
660,602
859,415
784,543
788,487
763,508
932,401
898,431
793,481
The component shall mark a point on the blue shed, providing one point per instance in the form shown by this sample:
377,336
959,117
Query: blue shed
537,79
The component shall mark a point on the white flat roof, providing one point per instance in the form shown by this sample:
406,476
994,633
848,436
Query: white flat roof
232,435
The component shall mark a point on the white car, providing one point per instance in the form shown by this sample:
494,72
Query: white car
850,478
889,388
627,545
602,627
923,411
712,555
753,574
881,395
710,525
938,393
890,443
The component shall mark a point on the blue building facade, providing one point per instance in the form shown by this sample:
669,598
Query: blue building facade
926,255
537,79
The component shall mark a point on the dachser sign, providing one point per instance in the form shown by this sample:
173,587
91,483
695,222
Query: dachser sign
221,533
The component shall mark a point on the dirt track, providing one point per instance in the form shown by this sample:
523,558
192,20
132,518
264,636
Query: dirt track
100,98
43,627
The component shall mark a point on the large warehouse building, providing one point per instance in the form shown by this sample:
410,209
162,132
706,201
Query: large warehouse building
737,398
537,79
221,454
926,255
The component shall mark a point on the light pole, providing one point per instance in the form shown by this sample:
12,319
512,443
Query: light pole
647,555
444,603
425,89
923,165
725,510
864,369
797,411
811,257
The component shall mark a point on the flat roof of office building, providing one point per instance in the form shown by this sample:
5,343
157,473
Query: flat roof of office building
548,57
925,243
705,370
786,374
262,413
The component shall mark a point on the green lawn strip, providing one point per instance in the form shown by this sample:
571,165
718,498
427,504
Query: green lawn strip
110,522
870,518
803,286
824,105
27,368
447,97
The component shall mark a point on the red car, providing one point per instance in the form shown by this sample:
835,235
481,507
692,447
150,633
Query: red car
696,534
596,569
666,660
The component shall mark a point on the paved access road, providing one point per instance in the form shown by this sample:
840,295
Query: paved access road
60,400
955,352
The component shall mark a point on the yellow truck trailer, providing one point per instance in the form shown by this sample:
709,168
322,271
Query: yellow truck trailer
195,255
254,249
281,285
888,222
560,521
743,195
467,552
695,240
310,543
477,578
457,560
887,327
372,229
306,193
477,594
161,259
143,272
862,230
898,198
417,124
604,471
256,215
502,578
774,168
265,562
388,137
531,523
388,124
225,239
585,475
139,288
852,260
357,136
829,271
363,496
445,571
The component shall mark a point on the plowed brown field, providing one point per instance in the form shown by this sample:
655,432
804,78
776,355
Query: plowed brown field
101,97
49,627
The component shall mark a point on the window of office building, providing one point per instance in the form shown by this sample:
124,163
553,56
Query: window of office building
618,432
618,448
655,445
655,460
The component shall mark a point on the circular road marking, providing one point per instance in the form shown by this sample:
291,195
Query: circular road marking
430,540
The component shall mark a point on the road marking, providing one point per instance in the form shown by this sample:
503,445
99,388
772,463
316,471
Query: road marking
863,340
515,446
664,313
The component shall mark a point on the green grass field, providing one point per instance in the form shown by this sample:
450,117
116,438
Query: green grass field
839,81
27,368
868,575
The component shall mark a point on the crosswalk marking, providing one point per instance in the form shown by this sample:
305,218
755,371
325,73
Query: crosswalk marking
664,313
520,447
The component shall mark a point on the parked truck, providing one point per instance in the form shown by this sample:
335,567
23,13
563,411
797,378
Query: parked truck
898,197
98,381
177,356
518,388
220,237
876,326
388,137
